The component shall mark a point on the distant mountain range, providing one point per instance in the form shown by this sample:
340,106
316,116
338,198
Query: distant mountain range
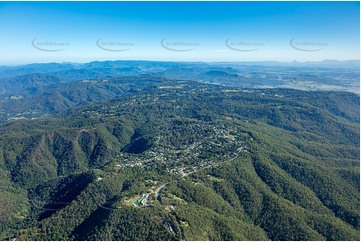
10,71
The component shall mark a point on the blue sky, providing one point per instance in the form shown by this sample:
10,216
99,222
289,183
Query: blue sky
190,31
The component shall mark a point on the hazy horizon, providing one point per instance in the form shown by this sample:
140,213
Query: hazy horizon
206,62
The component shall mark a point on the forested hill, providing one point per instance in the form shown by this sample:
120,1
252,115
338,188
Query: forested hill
181,160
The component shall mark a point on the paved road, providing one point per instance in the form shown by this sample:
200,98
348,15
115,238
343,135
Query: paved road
211,165
158,190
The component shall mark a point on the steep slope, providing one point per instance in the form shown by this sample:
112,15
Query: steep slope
187,161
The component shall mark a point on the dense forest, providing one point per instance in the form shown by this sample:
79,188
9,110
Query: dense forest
183,160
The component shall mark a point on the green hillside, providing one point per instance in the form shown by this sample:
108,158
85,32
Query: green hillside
181,160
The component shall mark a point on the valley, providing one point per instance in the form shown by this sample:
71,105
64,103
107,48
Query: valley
146,157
